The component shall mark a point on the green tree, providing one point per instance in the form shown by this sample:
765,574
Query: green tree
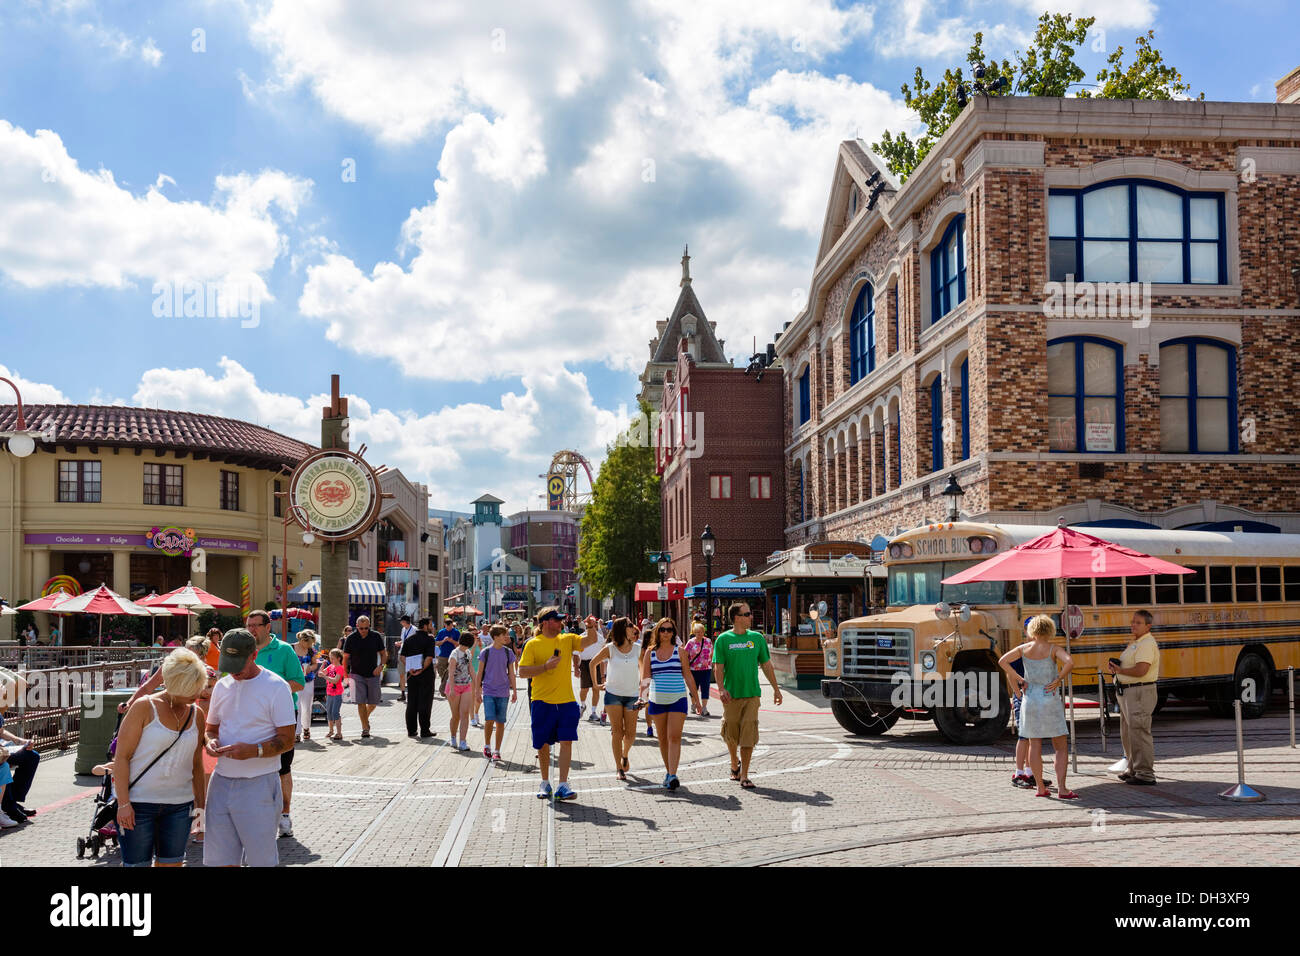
622,521
1046,68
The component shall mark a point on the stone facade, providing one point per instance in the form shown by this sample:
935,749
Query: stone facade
996,166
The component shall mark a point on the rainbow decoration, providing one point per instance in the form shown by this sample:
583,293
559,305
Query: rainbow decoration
61,582
245,596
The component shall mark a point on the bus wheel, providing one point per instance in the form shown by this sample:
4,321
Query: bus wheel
968,725
1252,667
856,718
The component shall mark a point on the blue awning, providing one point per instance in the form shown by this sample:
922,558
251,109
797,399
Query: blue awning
359,592
725,586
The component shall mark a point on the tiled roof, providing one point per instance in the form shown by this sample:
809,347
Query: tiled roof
151,428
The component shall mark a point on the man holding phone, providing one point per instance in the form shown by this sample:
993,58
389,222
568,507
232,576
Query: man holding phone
546,660
1137,670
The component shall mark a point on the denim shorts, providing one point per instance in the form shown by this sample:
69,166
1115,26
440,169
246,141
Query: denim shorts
617,700
494,709
162,831
677,708
333,707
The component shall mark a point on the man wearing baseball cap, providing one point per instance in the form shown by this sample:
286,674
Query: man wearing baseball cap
251,722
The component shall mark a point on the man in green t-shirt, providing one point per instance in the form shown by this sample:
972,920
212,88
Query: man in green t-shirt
737,656
281,659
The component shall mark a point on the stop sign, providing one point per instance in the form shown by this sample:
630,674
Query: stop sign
1074,621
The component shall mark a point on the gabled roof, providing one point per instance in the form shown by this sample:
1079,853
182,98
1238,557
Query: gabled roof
225,439
487,500
856,168
686,313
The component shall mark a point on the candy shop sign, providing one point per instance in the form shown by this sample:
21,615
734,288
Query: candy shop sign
172,541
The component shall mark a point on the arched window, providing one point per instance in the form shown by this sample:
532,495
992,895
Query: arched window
862,336
936,423
948,270
1085,395
805,394
1198,396
1136,231
965,409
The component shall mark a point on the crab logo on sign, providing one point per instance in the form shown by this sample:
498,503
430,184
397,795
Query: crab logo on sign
337,493
331,494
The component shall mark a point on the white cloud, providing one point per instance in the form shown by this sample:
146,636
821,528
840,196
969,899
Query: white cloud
33,393
1137,14
67,225
457,450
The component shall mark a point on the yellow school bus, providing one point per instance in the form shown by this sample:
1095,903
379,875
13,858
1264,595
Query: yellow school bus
1229,629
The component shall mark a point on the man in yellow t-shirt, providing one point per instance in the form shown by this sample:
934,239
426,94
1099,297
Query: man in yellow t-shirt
547,660
1138,671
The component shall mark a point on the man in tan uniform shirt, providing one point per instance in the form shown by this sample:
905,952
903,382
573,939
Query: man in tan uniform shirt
1138,671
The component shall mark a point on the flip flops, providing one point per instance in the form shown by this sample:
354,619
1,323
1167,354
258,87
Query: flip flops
747,784
1067,795
735,773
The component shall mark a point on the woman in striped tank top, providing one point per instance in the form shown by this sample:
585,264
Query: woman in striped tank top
670,680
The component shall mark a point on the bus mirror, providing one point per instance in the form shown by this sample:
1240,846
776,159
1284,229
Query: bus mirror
942,611
965,613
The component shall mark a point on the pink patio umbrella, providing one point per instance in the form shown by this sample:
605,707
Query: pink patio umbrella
50,603
193,598
102,601
1066,553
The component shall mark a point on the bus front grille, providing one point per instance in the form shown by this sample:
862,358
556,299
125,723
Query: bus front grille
876,654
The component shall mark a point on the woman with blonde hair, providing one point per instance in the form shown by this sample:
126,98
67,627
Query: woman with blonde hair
158,766
1042,709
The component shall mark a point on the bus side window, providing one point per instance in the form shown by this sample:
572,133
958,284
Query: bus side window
1270,584
1079,591
1138,591
1221,584
1110,591
1167,588
1291,579
1246,592
1193,586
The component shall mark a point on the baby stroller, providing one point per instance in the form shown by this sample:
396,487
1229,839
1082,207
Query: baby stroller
103,823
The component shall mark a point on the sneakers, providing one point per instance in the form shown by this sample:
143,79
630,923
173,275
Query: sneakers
6,822
565,793
496,755
604,718
464,745
487,752
582,713
473,721
593,718
1023,781
673,783
649,731
286,825
544,792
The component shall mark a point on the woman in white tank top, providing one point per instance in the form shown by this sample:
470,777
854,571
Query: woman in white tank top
622,685
158,766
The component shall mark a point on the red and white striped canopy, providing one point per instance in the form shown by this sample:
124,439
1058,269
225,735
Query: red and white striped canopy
102,600
48,603
190,596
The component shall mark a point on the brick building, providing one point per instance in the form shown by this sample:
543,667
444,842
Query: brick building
719,452
936,341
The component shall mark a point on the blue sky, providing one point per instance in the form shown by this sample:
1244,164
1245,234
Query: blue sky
475,218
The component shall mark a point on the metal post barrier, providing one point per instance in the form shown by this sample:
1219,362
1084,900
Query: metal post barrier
1241,793
1102,707
1074,750
1290,701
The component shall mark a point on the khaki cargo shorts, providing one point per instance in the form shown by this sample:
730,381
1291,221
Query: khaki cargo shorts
740,721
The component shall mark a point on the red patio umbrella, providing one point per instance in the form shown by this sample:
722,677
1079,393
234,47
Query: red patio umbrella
1066,553
191,597
47,603
102,601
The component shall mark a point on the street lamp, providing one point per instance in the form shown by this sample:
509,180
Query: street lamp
952,493
708,547
21,444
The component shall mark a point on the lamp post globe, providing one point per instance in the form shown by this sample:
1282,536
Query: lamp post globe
952,492
20,445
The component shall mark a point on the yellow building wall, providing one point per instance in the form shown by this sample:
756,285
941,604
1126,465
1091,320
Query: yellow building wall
29,505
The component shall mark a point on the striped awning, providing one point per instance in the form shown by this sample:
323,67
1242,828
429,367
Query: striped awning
359,592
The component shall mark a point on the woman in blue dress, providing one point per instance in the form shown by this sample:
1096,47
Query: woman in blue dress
1042,708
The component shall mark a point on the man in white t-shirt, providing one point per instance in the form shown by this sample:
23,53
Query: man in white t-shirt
251,721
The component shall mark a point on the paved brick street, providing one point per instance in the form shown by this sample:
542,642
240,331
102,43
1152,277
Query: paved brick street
824,798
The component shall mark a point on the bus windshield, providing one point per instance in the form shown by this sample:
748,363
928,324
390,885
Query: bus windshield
911,584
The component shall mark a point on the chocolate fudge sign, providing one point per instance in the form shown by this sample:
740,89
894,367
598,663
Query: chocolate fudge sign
337,492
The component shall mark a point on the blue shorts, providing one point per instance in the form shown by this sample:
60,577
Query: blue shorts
617,700
6,775
494,709
161,831
333,707
553,722
655,710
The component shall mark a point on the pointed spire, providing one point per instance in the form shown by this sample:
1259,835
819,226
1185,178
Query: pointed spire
686,266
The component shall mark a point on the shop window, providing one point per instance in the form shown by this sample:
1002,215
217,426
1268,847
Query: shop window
80,481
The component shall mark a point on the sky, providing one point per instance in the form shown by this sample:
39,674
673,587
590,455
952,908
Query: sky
474,213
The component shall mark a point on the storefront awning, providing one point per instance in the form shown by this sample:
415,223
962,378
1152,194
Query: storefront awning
359,592
726,587
649,590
